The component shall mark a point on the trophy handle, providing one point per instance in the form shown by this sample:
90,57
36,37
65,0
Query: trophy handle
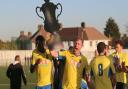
60,11
37,12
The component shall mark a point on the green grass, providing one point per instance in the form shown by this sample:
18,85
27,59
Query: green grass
5,83
31,79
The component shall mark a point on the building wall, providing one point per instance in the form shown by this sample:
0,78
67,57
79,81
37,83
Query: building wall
7,56
67,44
91,45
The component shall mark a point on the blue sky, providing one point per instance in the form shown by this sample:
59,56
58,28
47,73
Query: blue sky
17,15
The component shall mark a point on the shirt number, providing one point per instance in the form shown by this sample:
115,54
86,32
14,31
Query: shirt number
100,69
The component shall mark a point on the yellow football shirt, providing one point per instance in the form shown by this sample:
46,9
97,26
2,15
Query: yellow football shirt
121,76
73,70
101,69
44,69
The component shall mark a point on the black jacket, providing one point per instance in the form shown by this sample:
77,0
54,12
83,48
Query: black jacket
15,73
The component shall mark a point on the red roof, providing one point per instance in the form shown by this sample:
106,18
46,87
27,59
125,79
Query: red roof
93,34
88,33
73,33
70,34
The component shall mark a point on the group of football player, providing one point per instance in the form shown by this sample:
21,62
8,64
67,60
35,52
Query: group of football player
57,68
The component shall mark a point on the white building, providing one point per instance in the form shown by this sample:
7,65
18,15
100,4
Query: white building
90,35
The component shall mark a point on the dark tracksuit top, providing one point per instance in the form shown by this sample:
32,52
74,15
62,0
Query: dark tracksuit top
15,73
59,69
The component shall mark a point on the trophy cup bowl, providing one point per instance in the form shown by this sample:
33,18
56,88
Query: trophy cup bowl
50,19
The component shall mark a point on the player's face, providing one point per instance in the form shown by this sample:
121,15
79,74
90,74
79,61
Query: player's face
78,44
118,48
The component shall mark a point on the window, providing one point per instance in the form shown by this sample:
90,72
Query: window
91,43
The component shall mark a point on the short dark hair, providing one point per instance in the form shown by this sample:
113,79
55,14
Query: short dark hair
100,47
17,56
120,42
39,40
